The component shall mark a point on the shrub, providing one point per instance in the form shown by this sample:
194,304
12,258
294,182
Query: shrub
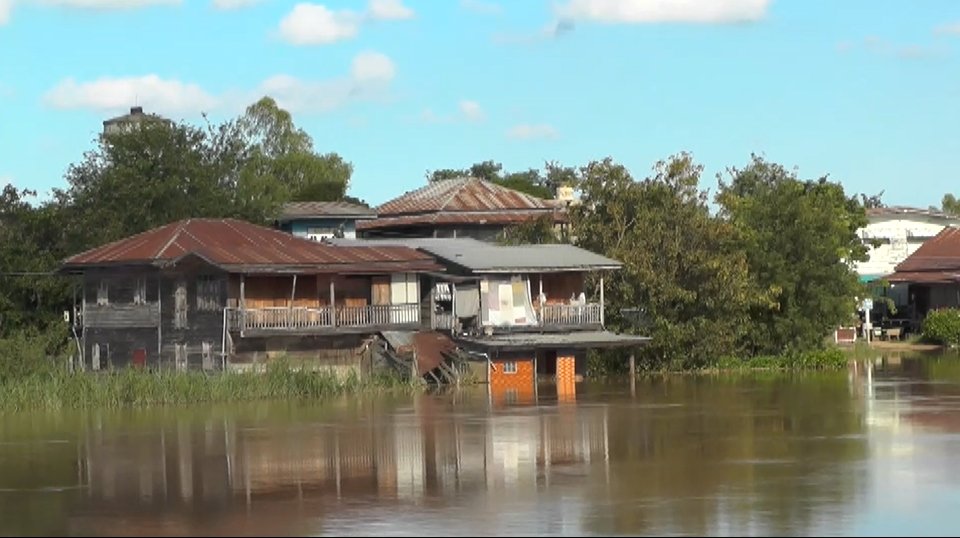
943,326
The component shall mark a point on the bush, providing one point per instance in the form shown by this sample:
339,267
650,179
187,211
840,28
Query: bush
825,359
30,353
943,326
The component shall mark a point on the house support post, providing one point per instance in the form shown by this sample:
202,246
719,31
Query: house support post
601,300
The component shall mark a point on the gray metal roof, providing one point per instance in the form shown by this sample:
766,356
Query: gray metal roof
303,210
571,340
480,257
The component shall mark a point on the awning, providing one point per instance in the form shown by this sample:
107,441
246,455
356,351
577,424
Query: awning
571,340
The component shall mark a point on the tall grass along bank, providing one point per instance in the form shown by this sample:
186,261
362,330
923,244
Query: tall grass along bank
133,387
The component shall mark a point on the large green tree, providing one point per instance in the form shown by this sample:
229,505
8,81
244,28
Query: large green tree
149,176
800,238
683,269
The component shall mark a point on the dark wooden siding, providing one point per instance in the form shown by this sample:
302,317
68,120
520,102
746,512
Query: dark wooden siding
122,327
202,325
117,345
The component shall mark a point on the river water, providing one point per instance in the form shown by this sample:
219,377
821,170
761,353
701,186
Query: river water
874,450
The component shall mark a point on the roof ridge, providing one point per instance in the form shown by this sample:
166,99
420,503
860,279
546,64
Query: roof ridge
173,237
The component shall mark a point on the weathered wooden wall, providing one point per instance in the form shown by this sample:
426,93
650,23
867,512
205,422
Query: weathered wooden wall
122,328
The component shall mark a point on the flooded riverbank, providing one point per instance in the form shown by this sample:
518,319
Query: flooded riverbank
869,450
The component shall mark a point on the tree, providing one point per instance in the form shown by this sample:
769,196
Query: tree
800,239
682,266
950,205
31,243
533,232
872,202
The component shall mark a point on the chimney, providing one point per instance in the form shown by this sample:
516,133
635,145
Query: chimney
136,110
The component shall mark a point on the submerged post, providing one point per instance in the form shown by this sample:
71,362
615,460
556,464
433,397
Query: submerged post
633,374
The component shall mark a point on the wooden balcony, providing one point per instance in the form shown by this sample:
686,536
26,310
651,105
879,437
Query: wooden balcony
302,320
557,316
564,315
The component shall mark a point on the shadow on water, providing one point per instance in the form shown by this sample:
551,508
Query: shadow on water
802,453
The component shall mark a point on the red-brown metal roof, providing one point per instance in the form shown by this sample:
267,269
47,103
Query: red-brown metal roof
463,200
942,252
239,245
478,217
936,261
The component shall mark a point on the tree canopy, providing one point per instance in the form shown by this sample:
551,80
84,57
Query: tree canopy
145,177
683,268
800,240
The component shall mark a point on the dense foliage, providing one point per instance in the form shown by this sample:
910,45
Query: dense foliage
148,176
942,326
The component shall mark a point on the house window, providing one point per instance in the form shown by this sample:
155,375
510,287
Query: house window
140,291
510,367
95,357
180,306
208,293
103,293
319,234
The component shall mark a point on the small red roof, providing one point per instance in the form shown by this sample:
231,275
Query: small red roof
461,200
937,260
241,246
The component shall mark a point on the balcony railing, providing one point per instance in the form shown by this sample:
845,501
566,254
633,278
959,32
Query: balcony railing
551,315
302,319
565,315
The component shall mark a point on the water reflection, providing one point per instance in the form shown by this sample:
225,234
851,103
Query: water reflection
868,451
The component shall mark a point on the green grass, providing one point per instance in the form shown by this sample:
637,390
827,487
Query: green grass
133,387
831,358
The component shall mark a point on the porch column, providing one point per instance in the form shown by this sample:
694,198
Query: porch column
243,304
293,291
333,303
601,299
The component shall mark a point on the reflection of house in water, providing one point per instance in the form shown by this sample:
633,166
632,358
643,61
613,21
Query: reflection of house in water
215,468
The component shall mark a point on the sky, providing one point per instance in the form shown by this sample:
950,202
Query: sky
864,91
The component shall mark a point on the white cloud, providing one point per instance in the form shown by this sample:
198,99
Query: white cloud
656,11
387,10
118,93
233,4
527,131
107,4
315,24
952,28
481,7
372,67
369,77
471,110
5,7
467,111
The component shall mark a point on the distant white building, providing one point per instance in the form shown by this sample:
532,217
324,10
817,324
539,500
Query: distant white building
900,231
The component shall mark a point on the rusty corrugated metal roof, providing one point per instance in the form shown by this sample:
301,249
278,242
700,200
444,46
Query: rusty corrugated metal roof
463,200
463,194
906,212
238,245
477,217
299,210
942,252
924,277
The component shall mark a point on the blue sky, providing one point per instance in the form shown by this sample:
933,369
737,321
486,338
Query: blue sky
863,90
